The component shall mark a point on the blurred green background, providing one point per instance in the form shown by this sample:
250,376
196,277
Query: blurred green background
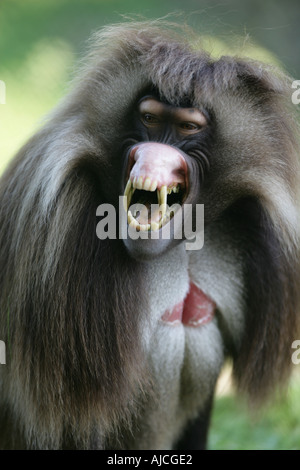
41,40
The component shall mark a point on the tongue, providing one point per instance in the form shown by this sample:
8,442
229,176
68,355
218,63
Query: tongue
195,310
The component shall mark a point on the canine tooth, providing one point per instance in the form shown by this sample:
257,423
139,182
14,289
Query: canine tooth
163,200
127,188
153,186
163,194
128,193
147,184
129,217
129,198
163,209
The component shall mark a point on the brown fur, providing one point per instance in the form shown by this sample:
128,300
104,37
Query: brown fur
75,369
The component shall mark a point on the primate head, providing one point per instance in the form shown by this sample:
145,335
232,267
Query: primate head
117,342
164,169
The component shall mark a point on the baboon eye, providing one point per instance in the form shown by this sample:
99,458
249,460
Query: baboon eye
189,127
149,119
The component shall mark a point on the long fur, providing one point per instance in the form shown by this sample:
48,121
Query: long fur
72,306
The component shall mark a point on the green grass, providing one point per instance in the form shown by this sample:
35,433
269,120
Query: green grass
274,427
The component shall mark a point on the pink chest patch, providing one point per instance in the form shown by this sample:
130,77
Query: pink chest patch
195,310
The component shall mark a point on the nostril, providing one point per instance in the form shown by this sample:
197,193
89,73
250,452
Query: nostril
158,162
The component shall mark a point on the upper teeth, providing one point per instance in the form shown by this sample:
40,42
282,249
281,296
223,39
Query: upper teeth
148,185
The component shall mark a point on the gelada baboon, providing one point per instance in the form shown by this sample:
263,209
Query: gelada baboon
117,342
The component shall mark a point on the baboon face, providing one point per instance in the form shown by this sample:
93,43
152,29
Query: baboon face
164,169
109,351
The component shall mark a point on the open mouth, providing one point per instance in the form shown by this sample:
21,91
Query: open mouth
152,207
156,187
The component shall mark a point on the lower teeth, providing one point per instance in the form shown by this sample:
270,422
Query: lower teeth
166,212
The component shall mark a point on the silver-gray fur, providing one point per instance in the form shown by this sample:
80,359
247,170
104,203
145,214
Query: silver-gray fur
89,362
